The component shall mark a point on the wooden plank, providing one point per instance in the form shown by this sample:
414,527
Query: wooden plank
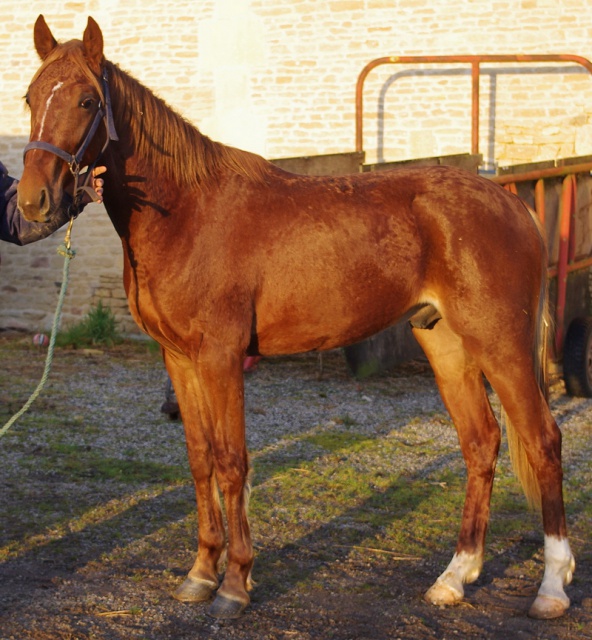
333,164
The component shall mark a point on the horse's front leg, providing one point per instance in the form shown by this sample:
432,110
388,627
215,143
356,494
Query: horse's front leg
202,581
220,381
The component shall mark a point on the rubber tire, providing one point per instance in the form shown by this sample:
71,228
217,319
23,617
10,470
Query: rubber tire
577,358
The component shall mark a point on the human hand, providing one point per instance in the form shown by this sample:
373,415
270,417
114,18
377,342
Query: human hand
97,183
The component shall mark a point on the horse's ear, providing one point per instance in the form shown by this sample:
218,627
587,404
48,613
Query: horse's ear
93,45
45,43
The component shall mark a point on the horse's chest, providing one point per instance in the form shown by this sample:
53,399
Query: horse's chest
142,289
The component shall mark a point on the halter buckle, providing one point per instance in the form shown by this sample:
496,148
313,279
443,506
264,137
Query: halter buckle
74,167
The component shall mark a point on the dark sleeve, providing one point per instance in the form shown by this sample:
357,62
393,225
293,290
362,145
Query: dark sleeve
13,226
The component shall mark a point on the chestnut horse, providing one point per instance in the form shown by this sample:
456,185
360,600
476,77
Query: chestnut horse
226,255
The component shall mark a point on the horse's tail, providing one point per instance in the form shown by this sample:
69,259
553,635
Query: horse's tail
520,463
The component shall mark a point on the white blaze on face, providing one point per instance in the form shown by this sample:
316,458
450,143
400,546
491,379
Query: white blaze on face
47,105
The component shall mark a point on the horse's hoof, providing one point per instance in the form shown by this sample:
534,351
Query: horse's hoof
195,590
545,607
224,608
443,594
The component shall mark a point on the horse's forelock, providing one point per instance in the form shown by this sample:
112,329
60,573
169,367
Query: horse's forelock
74,52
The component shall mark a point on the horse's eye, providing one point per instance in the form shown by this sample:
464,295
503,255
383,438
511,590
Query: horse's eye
87,103
27,100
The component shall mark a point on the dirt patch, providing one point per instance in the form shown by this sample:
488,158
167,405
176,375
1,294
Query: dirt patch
357,496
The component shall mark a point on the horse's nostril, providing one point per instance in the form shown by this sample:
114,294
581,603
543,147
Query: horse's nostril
44,202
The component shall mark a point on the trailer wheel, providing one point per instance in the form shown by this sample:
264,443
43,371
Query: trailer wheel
577,358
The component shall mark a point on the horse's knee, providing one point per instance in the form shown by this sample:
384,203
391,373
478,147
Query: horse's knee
232,472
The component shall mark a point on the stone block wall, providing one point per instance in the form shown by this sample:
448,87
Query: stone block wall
278,77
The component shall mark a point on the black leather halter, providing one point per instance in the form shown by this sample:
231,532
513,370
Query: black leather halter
105,114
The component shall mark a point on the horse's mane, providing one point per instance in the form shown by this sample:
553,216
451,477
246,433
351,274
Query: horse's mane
162,136
165,138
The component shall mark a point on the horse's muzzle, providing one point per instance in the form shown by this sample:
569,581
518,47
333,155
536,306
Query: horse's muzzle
34,205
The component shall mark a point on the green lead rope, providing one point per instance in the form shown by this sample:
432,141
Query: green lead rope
68,253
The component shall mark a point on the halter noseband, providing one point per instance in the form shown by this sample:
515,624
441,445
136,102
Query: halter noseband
73,161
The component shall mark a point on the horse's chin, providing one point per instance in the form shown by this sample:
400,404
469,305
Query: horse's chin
51,216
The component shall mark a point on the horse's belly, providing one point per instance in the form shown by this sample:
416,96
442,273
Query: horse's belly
321,322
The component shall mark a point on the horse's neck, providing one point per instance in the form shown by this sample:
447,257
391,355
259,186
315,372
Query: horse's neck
159,154
152,135
123,187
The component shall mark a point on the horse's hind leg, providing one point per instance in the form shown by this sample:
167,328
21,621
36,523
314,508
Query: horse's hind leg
539,442
462,389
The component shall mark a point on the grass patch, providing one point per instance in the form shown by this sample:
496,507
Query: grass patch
356,500
76,461
335,441
97,328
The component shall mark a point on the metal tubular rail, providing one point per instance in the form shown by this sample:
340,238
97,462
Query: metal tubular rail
475,62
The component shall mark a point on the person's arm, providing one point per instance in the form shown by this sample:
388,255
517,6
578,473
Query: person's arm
13,226
16,228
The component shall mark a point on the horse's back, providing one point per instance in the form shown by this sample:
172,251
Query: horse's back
341,258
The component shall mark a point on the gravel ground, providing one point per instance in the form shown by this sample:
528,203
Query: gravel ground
86,553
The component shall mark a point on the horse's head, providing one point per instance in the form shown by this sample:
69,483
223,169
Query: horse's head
67,102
